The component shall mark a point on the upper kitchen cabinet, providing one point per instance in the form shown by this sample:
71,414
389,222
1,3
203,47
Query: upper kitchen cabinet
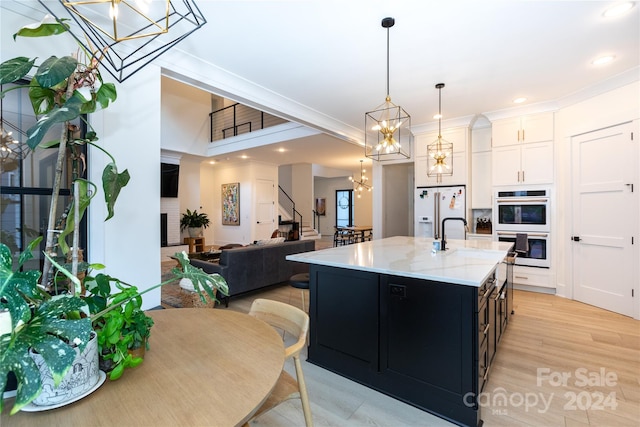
522,130
523,150
481,168
459,137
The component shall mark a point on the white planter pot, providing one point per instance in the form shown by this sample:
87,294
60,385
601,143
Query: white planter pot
195,231
82,377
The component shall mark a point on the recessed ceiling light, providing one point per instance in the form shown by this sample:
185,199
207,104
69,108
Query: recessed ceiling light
244,156
437,116
603,60
618,9
519,100
212,162
281,150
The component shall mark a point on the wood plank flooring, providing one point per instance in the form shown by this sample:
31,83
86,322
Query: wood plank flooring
560,363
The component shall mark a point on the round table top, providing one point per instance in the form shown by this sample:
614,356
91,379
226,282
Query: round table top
205,367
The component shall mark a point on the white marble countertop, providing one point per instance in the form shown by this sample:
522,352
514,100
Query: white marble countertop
465,262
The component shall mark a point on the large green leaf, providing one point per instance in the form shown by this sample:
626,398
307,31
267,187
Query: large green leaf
54,70
48,27
85,200
112,183
106,93
69,111
42,98
15,69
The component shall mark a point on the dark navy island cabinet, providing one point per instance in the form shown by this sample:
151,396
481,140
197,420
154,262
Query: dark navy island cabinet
427,343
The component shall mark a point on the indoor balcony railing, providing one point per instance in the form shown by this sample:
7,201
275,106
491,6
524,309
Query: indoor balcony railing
238,119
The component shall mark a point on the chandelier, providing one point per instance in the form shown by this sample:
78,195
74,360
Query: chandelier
439,152
361,185
126,35
387,127
11,149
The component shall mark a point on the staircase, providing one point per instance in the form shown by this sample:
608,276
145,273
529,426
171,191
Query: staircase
309,233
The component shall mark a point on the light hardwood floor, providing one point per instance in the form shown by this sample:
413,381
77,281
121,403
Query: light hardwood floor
548,338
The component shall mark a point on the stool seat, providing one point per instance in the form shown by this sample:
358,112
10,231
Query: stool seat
300,281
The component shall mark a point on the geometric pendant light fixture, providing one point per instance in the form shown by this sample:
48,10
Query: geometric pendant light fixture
388,127
126,35
361,185
439,152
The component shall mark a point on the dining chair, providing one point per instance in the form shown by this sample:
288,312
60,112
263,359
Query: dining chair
295,322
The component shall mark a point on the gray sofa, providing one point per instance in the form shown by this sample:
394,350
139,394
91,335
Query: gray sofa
253,267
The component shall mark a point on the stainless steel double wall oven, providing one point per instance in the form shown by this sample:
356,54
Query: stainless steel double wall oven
527,212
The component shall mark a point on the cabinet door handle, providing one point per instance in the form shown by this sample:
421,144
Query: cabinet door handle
486,329
518,176
522,176
486,374
518,134
523,136
522,277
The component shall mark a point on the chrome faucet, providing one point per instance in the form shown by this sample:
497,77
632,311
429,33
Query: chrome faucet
443,242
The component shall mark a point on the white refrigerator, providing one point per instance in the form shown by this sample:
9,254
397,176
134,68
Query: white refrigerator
433,204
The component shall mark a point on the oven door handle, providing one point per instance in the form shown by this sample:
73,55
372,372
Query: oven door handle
516,200
502,233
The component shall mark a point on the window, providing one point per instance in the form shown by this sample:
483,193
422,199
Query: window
344,208
26,183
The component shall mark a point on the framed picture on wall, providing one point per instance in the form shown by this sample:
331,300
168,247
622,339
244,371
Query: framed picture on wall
231,204
321,206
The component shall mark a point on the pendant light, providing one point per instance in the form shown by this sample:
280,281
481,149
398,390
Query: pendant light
439,152
126,35
388,127
361,185
11,150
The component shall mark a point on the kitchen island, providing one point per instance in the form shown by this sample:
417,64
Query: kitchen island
414,324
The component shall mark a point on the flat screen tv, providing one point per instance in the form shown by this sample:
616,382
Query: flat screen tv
169,180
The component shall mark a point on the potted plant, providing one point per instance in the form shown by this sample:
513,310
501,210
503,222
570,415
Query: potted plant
194,222
59,327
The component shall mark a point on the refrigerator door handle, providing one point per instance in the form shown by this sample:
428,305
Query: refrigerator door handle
436,215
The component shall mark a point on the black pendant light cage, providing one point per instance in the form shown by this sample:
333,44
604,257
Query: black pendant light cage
440,151
388,127
125,45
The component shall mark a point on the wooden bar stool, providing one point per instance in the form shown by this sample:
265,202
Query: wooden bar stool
300,281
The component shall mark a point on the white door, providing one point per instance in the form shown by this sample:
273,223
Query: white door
265,208
605,218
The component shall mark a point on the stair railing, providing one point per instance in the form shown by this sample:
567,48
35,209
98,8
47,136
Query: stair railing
287,202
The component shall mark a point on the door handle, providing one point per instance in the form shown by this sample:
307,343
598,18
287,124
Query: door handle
576,238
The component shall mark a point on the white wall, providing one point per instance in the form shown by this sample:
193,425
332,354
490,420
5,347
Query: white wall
327,187
246,174
302,190
129,243
185,118
397,212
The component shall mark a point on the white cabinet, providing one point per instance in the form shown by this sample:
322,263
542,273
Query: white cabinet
459,137
481,168
526,164
523,150
523,130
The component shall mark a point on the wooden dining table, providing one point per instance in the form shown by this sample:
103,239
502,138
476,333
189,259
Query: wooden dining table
359,231
205,367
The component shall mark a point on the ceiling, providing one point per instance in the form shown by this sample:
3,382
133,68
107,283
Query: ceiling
330,56
328,59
